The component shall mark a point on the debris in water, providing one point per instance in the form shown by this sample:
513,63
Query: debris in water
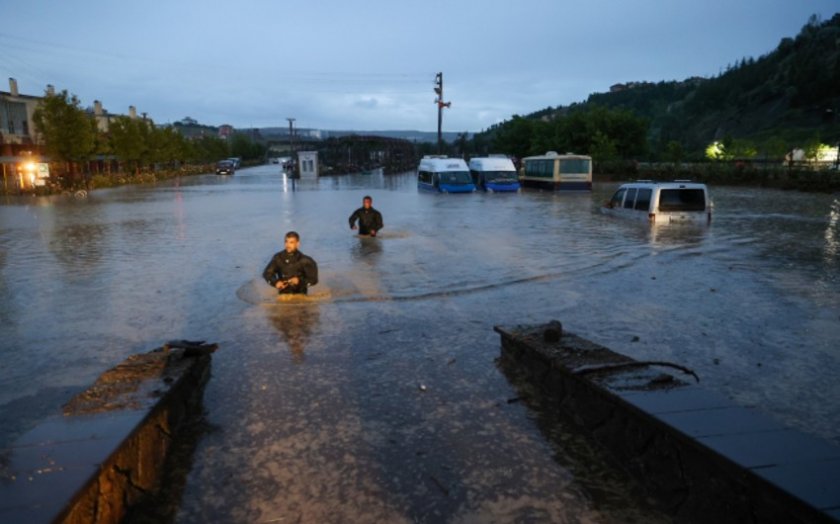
422,387
553,331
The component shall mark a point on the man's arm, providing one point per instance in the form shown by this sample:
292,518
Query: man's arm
270,273
353,218
310,272
378,221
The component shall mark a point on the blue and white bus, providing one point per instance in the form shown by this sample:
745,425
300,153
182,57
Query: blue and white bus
567,172
446,175
494,173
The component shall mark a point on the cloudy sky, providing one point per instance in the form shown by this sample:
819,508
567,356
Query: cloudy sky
370,65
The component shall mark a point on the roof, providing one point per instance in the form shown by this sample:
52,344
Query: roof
10,95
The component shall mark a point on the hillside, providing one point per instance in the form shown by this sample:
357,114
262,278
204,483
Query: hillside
784,99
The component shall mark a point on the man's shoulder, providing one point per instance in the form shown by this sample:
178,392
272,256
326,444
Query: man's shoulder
305,257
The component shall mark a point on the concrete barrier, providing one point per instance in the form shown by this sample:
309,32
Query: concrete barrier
702,457
107,450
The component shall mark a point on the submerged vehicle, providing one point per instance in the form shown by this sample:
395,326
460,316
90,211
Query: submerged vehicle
680,201
443,174
567,172
225,167
494,174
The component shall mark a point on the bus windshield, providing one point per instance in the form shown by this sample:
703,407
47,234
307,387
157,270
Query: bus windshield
455,177
500,176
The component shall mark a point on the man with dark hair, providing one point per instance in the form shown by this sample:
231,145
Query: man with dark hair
370,220
290,271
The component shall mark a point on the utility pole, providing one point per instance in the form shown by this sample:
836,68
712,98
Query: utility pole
291,136
292,159
440,104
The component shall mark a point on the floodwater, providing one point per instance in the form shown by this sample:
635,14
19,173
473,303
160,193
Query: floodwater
377,398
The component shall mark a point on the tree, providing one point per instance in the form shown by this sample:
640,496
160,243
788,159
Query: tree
462,143
67,131
128,140
674,152
603,148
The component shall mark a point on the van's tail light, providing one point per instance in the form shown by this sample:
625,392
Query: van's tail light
652,217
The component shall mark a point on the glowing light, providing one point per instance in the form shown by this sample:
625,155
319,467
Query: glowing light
715,151
826,153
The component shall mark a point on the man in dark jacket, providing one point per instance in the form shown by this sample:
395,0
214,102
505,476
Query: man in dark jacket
370,220
291,271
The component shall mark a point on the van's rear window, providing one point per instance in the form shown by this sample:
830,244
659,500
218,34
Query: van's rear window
682,200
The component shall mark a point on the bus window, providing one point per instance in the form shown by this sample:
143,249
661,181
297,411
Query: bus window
574,165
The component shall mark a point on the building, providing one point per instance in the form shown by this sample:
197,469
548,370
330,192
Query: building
17,130
225,131
104,118
308,164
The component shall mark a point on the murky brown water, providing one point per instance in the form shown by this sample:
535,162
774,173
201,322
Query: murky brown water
317,406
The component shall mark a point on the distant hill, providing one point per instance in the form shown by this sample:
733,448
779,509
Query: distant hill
783,99
412,136
282,133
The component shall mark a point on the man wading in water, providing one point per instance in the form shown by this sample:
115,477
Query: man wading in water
291,271
370,220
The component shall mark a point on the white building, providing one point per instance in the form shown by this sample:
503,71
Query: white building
308,164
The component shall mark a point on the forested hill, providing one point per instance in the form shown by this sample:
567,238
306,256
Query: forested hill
781,100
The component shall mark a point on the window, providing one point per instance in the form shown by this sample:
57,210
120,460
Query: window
615,201
574,165
643,199
682,200
500,176
455,177
10,114
424,177
539,168
631,196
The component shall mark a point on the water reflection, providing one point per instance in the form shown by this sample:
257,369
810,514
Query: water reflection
832,242
367,250
296,321
682,236
79,248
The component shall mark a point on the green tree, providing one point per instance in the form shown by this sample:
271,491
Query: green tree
67,131
210,149
674,152
128,138
603,148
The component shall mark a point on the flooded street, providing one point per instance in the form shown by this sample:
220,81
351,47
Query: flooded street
377,397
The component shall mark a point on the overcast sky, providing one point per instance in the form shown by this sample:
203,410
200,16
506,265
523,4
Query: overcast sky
370,65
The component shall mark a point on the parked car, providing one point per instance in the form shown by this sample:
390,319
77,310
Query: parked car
680,201
225,167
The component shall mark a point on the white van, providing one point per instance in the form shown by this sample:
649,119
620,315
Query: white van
446,175
495,173
680,201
